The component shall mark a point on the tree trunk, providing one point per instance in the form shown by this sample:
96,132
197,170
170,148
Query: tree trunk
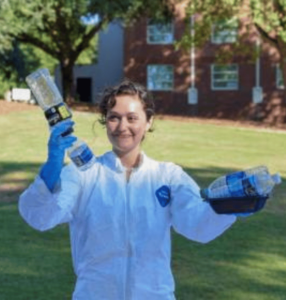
283,102
68,86
281,47
283,70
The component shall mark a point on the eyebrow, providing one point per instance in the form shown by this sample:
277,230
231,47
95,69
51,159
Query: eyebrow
116,113
112,112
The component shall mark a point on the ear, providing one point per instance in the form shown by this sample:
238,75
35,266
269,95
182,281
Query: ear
149,124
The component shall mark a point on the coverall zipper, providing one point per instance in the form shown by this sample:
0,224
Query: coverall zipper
127,231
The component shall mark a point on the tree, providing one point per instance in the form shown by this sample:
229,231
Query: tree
19,60
267,17
15,64
12,62
59,27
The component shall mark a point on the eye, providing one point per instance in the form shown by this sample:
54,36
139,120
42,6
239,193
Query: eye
112,118
132,119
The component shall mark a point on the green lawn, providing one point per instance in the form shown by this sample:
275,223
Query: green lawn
247,262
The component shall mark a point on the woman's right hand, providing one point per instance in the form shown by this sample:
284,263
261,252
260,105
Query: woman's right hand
57,145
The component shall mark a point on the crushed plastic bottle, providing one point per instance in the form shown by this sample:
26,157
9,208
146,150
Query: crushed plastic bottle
252,182
225,180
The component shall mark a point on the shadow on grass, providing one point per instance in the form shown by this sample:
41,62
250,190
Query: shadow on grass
246,262
15,177
33,265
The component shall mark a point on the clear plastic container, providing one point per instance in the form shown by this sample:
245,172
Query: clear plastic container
226,180
44,89
241,192
81,155
56,111
265,184
259,184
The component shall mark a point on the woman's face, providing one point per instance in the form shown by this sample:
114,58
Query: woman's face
126,124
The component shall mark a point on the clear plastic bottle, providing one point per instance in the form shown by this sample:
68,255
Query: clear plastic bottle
44,89
253,182
265,184
56,111
81,155
225,180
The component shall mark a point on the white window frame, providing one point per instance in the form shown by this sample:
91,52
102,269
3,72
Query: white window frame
227,88
226,35
279,78
161,80
162,41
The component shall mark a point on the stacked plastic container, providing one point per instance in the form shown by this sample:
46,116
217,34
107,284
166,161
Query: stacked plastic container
243,191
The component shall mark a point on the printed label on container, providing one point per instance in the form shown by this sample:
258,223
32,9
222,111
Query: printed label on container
234,184
240,186
57,114
83,158
249,186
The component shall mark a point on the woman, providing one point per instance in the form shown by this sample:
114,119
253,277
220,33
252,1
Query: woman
121,210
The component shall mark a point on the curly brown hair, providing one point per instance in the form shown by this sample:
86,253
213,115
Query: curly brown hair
126,87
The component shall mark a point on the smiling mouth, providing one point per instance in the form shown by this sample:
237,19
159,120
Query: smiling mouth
123,136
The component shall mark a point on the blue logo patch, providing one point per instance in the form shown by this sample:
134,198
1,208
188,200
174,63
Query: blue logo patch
163,195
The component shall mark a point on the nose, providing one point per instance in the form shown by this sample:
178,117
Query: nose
122,125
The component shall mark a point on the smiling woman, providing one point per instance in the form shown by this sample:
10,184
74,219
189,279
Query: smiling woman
126,127
127,111
121,210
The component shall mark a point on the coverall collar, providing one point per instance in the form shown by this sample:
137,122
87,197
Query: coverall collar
115,162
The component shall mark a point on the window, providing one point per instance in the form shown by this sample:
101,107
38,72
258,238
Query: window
279,78
159,33
224,77
160,77
225,32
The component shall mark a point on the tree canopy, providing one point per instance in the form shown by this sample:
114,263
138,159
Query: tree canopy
269,18
59,27
266,17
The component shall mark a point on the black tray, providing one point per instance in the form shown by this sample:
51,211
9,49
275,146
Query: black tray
249,204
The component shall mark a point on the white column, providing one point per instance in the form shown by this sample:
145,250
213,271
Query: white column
257,93
193,93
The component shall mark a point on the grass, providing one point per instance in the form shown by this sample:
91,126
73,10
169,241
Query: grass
247,262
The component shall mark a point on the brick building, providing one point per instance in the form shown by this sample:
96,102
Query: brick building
194,83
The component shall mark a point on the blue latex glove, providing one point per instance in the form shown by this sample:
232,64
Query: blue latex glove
57,145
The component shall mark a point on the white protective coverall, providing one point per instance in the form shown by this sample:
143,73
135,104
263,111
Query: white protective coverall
120,231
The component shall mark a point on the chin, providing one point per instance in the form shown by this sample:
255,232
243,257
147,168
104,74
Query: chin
123,149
